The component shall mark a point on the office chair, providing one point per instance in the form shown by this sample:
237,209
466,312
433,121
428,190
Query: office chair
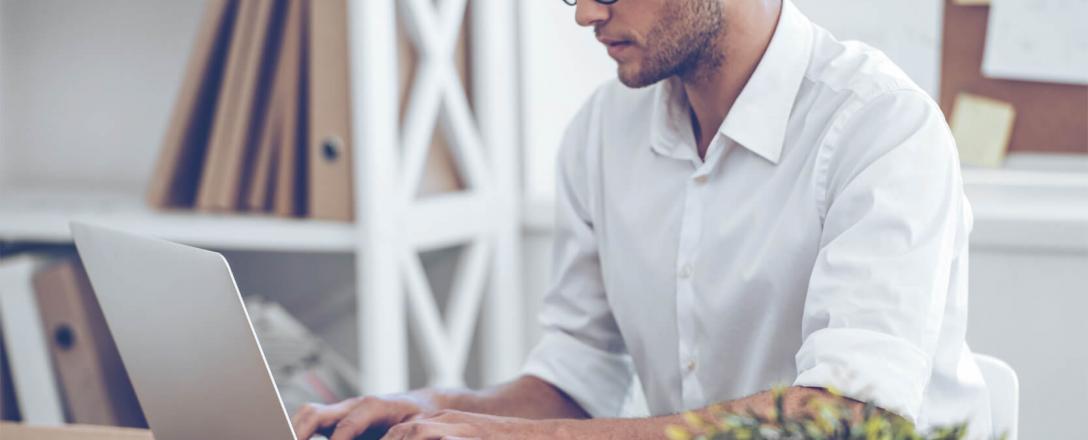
1004,394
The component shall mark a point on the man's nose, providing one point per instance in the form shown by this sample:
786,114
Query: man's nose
590,13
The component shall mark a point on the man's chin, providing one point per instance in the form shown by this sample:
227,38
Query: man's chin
634,77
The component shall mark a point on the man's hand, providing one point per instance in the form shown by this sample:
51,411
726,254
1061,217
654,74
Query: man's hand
526,397
457,425
354,417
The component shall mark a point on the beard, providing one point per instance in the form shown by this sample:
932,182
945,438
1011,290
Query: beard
684,43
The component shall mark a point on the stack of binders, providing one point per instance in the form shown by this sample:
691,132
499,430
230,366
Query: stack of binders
262,121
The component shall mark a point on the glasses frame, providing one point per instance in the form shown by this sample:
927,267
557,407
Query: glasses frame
603,2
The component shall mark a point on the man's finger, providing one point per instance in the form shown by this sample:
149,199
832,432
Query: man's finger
306,421
312,418
426,430
357,422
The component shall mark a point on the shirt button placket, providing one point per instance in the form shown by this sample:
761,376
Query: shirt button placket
686,305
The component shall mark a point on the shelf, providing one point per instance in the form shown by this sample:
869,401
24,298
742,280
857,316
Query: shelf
42,216
1018,208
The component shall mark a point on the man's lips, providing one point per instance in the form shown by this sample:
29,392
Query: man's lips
616,46
609,41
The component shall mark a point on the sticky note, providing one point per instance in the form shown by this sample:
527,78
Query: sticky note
982,127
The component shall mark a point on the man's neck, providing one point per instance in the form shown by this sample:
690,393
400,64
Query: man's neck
712,93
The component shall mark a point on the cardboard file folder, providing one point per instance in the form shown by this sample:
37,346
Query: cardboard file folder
289,195
286,187
279,127
178,170
244,101
93,379
264,160
225,125
329,149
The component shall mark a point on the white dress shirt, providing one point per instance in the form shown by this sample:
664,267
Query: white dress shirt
823,242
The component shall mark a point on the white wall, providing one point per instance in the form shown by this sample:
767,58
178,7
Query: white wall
909,31
87,87
1027,308
3,160
562,65
3,167
3,88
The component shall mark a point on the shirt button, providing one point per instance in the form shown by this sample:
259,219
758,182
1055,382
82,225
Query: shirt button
686,271
690,366
701,180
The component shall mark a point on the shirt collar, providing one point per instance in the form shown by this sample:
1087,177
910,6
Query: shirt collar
759,118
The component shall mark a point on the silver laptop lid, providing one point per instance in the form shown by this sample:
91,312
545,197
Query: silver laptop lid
184,337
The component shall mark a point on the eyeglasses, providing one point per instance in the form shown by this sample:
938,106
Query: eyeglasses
603,2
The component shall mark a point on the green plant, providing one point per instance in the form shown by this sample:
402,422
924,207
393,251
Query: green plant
823,420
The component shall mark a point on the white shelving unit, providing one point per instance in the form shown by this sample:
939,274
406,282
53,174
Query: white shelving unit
397,227
395,303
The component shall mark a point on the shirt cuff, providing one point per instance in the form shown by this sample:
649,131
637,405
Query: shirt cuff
866,365
596,379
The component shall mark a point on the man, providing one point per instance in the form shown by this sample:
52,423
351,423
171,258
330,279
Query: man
756,204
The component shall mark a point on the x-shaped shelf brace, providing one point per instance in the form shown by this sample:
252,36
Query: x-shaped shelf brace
437,91
437,96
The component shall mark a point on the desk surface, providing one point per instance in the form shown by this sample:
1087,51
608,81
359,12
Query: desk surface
15,431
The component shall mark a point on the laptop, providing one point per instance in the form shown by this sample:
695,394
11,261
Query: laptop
184,337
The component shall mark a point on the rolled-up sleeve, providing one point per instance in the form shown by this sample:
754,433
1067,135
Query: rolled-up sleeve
581,351
894,219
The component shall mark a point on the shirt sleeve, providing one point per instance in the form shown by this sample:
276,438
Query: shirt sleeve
581,351
895,219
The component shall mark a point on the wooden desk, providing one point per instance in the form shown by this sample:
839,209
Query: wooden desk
15,431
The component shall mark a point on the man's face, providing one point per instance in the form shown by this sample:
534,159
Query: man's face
654,39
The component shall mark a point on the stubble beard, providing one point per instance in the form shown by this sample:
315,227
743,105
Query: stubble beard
686,43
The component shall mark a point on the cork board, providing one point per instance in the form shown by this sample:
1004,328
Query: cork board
1050,117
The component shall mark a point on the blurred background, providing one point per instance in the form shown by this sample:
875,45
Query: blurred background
464,113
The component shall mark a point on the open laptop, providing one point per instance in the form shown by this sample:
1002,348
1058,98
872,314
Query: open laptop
184,337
